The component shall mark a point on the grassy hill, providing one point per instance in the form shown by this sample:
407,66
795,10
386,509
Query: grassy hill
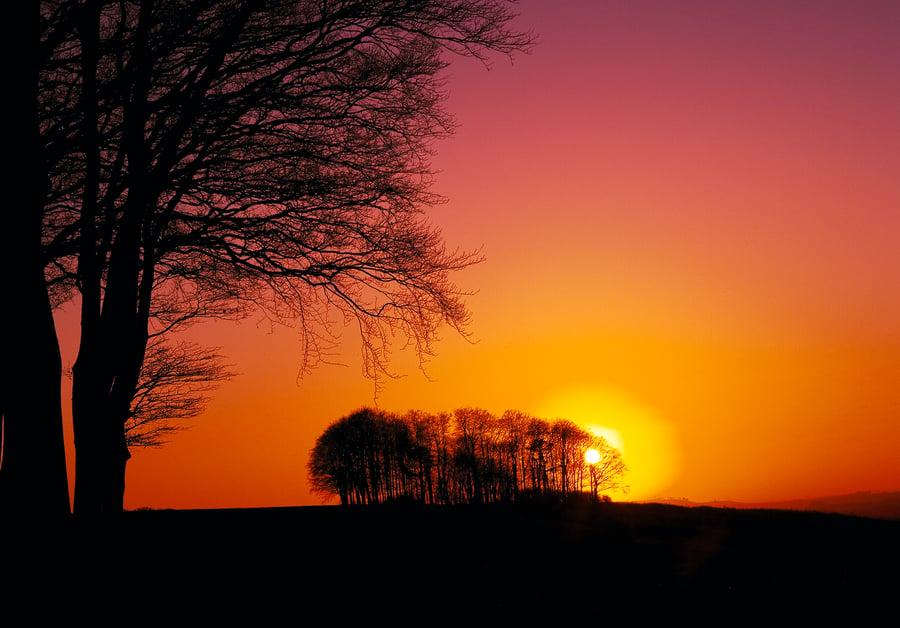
460,564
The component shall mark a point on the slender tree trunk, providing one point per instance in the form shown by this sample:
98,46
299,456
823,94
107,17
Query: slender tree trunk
33,464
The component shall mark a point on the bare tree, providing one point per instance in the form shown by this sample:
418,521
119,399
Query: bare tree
175,382
606,472
539,449
216,158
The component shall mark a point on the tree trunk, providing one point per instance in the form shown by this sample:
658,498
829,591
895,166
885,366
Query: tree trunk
100,472
100,448
33,472
33,464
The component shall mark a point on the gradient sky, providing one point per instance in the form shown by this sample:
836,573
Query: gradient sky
691,218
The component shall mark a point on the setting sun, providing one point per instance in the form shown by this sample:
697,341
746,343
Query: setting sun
592,456
648,442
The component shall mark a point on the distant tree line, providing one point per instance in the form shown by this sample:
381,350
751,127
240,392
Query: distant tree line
469,456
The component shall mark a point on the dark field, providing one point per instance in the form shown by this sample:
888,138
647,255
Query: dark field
440,565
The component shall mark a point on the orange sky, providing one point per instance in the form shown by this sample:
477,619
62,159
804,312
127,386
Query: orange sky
691,218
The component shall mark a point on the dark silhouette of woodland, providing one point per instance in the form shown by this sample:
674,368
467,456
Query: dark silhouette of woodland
467,457
181,160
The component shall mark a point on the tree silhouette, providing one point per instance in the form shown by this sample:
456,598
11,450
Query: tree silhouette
422,461
331,464
467,457
606,473
173,386
217,158
360,458
32,452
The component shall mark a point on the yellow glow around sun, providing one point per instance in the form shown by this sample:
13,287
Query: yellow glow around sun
649,443
612,436
592,456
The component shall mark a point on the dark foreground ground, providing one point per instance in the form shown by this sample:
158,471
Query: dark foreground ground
454,565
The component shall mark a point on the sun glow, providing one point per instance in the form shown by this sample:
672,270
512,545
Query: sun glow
612,436
649,443
592,456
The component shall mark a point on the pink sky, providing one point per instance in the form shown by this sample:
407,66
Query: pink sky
691,218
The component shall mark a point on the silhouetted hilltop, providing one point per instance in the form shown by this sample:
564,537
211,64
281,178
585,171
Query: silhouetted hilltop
862,504
424,565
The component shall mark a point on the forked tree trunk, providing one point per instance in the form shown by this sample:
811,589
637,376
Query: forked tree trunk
114,320
105,378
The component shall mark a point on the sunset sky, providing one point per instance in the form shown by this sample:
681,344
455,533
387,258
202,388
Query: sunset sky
690,213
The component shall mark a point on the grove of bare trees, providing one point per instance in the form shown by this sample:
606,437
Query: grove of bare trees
469,456
188,159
